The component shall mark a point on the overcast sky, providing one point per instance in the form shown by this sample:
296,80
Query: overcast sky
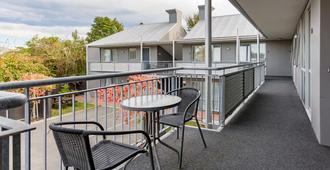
22,19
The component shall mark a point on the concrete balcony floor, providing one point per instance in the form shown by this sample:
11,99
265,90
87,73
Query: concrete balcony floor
271,132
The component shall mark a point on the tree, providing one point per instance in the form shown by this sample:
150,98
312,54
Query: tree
192,21
62,57
49,56
103,27
14,64
37,91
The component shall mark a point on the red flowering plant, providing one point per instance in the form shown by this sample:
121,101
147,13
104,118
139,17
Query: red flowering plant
137,86
37,91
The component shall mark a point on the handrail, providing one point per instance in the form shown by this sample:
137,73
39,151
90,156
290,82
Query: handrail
44,82
13,127
220,68
239,71
94,89
33,83
124,84
130,62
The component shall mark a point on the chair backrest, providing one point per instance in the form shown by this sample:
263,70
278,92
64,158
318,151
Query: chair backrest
189,101
74,148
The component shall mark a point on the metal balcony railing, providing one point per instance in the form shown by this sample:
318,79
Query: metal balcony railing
229,86
128,66
10,132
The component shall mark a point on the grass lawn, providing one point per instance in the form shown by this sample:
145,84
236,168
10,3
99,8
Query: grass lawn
67,108
193,123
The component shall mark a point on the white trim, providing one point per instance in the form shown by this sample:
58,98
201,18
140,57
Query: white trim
173,53
238,44
258,48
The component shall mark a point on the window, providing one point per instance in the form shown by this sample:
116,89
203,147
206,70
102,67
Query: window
249,52
106,55
254,53
245,53
262,52
132,53
109,55
216,53
115,55
198,53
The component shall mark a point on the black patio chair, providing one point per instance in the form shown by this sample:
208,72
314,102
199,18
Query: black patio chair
76,151
186,111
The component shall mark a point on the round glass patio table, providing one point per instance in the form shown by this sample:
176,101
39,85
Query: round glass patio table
150,102
151,105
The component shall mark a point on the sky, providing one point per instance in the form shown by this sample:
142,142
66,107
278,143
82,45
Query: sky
20,20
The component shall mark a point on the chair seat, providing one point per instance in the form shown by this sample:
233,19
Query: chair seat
109,154
173,119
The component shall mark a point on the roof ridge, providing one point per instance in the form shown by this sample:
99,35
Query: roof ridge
151,24
226,15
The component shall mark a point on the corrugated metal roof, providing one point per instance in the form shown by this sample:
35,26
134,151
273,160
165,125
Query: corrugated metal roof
223,26
141,33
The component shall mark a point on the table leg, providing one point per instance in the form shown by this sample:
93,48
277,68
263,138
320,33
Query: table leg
154,138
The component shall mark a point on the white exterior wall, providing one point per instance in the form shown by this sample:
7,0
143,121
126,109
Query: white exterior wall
319,106
315,67
228,52
93,54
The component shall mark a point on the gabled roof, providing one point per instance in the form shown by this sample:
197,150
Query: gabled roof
150,33
224,27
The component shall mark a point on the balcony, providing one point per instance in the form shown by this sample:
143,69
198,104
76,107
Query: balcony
127,66
248,123
272,131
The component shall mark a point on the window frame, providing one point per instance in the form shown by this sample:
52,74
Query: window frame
247,52
102,58
193,53
129,54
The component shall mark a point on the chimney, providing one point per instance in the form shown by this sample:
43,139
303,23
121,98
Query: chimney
175,15
201,11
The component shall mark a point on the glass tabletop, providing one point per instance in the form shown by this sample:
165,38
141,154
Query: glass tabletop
150,102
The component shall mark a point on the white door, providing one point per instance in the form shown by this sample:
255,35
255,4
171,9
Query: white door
307,59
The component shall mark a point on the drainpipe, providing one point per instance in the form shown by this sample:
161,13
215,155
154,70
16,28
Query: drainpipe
238,44
141,55
258,48
173,53
208,56
87,63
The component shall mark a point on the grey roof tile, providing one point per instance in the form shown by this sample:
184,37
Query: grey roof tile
223,26
136,34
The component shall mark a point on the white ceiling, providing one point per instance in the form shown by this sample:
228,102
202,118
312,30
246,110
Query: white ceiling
276,19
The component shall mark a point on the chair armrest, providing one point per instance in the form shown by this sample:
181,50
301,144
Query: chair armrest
173,91
79,123
113,133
